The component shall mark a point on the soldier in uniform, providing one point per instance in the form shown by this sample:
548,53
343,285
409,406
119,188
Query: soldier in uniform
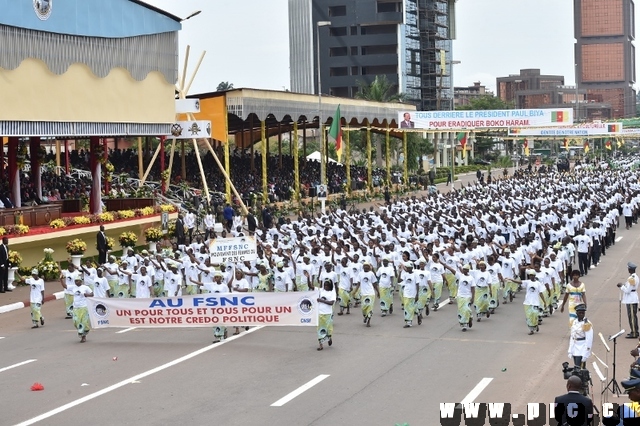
630,298
581,340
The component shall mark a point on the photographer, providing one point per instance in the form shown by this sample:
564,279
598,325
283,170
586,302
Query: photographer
573,408
581,339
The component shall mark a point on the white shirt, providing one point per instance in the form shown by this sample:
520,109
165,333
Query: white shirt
533,290
367,279
465,284
323,308
143,286
69,279
100,287
80,295
37,287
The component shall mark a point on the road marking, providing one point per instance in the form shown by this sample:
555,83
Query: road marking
618,239
1,338
299,391
133,379
125,330
477,390
17,365
455,339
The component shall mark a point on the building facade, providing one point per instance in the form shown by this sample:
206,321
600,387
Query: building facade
605,53
408,41
464,95
527,81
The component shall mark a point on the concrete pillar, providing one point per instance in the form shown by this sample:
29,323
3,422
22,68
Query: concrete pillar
436,148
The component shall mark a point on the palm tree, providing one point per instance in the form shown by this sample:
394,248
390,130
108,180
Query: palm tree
380,90
223,86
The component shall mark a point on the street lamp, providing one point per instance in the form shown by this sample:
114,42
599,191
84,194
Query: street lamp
323,159
197,12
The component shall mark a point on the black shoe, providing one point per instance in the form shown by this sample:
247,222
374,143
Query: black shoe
419,319
391,309
631,336
1,291
68,317
8,290
41,320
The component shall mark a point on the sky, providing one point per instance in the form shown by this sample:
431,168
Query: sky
247,44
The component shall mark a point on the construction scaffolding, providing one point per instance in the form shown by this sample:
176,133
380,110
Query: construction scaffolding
435,54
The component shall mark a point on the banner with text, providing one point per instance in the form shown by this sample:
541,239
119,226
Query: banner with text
238,249
587,129
484,119
207,310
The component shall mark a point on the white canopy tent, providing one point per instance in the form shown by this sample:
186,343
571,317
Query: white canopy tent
315,156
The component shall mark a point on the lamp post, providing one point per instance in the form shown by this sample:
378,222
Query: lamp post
454,139
197,12
323,159
577,117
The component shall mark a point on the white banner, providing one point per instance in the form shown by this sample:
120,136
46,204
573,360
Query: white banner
198,129
207,310
184,106
484,119
238,249
588,129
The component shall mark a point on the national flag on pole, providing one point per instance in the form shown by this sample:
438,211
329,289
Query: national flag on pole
526,147
613,128
607,144
565,143
586,147
559,117
335,131
619,142
462,139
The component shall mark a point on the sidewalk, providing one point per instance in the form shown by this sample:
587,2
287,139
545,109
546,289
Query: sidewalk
19,297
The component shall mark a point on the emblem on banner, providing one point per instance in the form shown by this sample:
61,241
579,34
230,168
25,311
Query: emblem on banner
43,8
101,310
209,129
305,306
194,129
176,130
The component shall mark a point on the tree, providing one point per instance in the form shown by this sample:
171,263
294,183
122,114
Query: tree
486,102
223,86
380,90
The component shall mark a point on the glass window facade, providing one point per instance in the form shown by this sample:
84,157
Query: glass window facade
603,62
602,18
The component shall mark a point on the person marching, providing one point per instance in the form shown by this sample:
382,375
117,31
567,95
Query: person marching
367,283
581,340
483,290
630,298
385,275
533,290
344,285
326,300
218,286
36,297
67,279
80,293
465,297
575,294
425,288
409,282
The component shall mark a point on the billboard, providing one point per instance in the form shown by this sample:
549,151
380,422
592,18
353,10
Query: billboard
587,129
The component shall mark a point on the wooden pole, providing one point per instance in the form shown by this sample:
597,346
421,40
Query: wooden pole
202,175
369,165
347,159
405,165
153,159
173,150
388,157
184,71
193,76
265,186
140,162
226,176
58,157
183,162
296,165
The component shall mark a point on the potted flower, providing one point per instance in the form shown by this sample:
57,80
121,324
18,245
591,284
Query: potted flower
14,263
153,236
76,249
48,269
128,240
111,242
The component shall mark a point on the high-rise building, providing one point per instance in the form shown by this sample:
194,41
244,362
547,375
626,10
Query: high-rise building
528,80
464,95
407,41
605,54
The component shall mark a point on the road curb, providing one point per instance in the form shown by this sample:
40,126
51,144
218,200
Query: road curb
19,305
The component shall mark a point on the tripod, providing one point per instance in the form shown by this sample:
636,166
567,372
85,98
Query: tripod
613,383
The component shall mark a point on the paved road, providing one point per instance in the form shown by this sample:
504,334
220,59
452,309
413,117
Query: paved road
381,375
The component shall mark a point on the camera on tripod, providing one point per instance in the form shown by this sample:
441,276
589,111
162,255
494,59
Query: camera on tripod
581,373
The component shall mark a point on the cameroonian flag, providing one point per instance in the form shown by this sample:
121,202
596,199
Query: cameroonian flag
559,117
613,128
335,131
619,142
607,144
461,137
525,145
565,143
586,147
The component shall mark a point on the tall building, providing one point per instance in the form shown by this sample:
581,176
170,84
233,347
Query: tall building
528,80
464,95
605,54
407,41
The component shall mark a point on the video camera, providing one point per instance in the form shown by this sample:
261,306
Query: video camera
582,373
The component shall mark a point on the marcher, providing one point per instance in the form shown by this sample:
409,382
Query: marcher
575,294
533,289
80,293
326,300
368,286
68,278
465,297
36,297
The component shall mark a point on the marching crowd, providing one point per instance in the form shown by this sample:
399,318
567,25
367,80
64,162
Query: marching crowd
477,247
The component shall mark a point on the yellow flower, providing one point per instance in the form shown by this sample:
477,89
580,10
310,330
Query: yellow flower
57,224
168,208
81,220
153,234
126,214
128,239
147,211
21,229
106,217
76,247
14,259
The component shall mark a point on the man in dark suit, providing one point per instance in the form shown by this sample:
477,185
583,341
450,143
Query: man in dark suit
101,244
180,235
407,123
4,265
573,408
252,224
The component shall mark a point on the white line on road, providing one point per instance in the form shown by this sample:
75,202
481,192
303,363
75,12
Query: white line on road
17,365
477,390
299,391
125,330
1,338
618,239
132,379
